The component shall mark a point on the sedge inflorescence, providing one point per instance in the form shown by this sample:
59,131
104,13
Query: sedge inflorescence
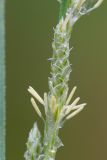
58,105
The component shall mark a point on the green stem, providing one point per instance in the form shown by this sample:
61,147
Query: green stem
2,82
64,5
50,139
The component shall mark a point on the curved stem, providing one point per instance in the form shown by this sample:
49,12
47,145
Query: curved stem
64,5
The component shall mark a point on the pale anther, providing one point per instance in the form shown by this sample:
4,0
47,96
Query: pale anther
69,108
74,113
71,95
35,95
36,107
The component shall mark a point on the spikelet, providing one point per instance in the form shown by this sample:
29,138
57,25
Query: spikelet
60,65
56,103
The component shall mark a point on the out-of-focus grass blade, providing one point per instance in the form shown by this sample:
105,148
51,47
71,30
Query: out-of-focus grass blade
2,80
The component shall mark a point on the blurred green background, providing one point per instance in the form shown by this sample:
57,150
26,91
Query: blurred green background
29,33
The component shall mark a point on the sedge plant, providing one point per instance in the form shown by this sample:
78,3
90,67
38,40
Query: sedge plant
57,103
